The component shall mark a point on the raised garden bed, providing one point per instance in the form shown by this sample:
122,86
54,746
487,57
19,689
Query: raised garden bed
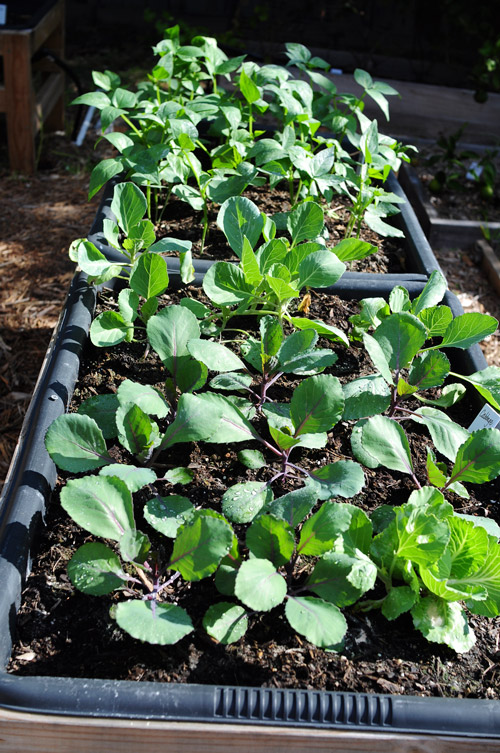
441,232
282,136
24,503
490,263
178,680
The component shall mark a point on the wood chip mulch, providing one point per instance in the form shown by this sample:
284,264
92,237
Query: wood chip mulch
39,218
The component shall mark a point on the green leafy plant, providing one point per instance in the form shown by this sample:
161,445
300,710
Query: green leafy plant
486,72
304,552
144,267
423,545
454,168
363,183
268,278
426,558
275,354
186,95
216,185
406,367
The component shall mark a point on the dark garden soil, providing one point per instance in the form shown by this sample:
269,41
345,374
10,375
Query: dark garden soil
181,222
57,624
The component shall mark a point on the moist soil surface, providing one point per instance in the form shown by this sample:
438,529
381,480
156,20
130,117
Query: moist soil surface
58,624
179,221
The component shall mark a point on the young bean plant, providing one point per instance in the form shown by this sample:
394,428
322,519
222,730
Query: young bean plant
191,131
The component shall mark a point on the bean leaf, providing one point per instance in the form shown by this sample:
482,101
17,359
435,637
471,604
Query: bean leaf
135,478
242,502
305,222
342,578
169,332
225,622
95,569
385,442
317,404
478,458
149,276
215,356
239,218
200,545
467,329
167,514
319,621
271,538
99,504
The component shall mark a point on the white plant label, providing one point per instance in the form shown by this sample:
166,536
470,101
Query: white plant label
3,14
487,418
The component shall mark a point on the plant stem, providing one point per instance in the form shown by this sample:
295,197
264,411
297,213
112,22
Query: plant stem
205,227
167,199
132,126
368,605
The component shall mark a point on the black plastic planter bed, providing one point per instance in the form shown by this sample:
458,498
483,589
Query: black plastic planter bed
441,232
84,714
420,259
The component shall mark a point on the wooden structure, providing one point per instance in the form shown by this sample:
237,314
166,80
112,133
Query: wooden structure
27,106
56,734
490,263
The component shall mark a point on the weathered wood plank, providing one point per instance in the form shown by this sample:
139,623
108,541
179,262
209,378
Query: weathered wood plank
490,264
58,734
425,110
24,112
51,23
19,102
47,99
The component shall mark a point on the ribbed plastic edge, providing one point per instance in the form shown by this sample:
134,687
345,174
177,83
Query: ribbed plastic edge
32,473
31,478
262,706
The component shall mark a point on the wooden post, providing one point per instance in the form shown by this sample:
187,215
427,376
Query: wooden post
19,102
25,109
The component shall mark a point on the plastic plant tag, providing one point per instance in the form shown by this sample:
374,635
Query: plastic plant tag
487,418
474,171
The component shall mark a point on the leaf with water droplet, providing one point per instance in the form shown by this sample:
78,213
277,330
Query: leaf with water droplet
167,514
242,502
